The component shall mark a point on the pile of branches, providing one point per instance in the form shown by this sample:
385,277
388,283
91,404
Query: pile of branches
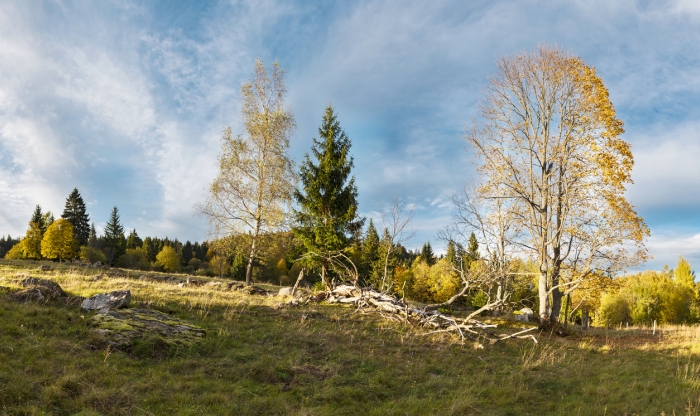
427,317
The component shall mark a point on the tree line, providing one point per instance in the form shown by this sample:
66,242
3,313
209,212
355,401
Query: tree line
72,236
543,224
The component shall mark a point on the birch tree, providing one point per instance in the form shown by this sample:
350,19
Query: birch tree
252,192
549,144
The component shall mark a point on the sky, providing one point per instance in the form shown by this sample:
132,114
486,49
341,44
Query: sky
126,100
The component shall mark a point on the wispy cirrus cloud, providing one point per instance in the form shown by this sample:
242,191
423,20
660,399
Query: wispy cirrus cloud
126,100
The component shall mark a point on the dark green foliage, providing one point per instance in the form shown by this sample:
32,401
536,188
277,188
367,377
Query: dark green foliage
472,249
427,254
37,218
133,240
186,254
75,213
370,252
451,254
327,215
150,249
6,244
115,242
93,241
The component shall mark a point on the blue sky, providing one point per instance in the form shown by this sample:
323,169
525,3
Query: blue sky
125,100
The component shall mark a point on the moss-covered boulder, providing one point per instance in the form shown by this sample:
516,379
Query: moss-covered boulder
129,329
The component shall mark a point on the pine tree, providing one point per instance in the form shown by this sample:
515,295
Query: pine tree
427,254
92,239
75,213
150,249
451,254
472,253
133,240
115,243
36,218
186,252
327,218
370,249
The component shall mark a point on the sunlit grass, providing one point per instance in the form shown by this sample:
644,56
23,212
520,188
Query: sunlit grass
321,359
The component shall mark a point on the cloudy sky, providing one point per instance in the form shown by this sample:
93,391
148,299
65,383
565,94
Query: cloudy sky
125,100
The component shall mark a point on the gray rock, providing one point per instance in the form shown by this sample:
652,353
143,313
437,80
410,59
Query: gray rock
104,301
120,328
48,288
33,294
97,264
45,268
527,311
285,291
521,318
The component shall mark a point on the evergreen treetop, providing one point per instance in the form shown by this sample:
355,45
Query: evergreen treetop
75,213
327,217
36,218
427,254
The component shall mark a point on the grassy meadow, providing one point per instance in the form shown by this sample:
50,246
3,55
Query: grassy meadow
320,360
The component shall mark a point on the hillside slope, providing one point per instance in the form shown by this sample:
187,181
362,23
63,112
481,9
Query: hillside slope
316,360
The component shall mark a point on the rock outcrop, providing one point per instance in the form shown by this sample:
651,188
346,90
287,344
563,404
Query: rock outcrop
104,301
120,328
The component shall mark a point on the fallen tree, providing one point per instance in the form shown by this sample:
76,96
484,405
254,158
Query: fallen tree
428,317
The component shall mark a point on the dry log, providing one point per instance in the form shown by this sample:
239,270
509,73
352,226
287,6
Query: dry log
393,308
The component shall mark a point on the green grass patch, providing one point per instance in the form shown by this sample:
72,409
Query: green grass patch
318,360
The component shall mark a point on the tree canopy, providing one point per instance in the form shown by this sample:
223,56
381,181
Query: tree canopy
327,216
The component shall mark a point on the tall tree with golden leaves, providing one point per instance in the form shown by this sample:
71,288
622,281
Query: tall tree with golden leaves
59,242
549,143
252,191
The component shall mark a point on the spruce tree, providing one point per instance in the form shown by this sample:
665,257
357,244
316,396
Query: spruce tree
472,250
327,218
370,252
133,240
427,254
75,213
92,239
451,254
115,243
186,252
150,249
36,218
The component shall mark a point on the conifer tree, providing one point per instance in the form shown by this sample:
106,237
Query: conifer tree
186,252
472,250
451,254
115,243
133,240
370,255
92,239
150,249
427,254
36,218
327,218
75,213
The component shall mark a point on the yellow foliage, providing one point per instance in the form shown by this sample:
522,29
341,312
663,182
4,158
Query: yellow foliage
16,252
443,281
169,259
58,242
